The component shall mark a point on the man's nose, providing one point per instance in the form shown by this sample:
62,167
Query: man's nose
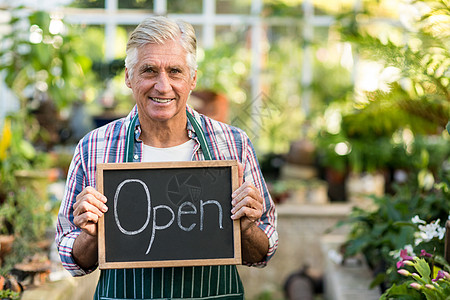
163,83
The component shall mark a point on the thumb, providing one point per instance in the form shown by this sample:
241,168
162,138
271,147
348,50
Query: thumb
240,173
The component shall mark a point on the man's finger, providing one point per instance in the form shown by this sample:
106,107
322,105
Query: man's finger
240,173
249,202
86,218
86,206
91,199
252,214
89,190
245,190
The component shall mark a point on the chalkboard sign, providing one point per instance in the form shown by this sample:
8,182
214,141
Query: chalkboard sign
168,214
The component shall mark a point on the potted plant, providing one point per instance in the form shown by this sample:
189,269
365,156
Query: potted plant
425,274
391,225
25,209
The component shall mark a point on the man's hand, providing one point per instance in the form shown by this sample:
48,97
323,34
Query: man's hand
247,202
247,205
88,208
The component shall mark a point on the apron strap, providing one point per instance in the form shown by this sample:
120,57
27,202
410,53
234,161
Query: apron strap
130,140
201,136
197,128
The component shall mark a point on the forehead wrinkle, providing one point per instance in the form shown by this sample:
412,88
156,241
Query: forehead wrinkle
166,64
148,51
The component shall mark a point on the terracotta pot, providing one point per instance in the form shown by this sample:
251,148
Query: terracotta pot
6,242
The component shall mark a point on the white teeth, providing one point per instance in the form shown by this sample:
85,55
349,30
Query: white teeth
159,100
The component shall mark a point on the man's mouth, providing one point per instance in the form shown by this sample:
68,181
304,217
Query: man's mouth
161,100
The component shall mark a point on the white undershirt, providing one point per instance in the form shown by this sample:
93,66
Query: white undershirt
181,152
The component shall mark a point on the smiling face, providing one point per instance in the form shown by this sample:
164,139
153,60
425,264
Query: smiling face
161,83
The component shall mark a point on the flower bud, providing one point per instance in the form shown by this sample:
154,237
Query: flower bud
408,263
446,275
415,285
430,286
404,272
425,253
416,276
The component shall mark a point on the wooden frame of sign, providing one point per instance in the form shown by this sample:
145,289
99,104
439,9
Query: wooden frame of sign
168,214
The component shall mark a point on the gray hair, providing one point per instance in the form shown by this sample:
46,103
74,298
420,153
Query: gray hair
157,30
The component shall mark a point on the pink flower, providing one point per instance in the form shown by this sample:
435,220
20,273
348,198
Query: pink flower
425,253
441,275
404,257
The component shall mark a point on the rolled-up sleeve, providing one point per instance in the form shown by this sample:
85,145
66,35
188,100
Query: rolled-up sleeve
268,220
66,231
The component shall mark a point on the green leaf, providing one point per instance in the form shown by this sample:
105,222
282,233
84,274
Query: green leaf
27,150
448,127
402,291
423,269
405,223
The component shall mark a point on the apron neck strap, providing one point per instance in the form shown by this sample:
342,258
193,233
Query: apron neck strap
197,128
200,135
130,140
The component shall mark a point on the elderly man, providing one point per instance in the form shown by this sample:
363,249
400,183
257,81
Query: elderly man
160,69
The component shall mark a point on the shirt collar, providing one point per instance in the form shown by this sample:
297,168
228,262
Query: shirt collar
138,131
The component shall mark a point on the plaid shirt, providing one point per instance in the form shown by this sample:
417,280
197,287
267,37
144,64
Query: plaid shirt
108,144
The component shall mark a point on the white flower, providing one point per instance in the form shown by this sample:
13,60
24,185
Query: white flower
429,231
441,232
409,249
417,220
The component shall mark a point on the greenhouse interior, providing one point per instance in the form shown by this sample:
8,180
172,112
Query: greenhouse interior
346,104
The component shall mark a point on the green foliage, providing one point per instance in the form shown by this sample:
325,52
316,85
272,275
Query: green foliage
380,153
326,144
37,61
8,294
89,3
420,98
283,8
20,154
226,69
401,292
417,102
420,282
28,216
378,232
24,210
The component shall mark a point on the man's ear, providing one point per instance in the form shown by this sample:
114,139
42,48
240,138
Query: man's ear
194,81
127,78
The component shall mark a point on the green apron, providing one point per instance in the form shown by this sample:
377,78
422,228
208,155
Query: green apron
208,282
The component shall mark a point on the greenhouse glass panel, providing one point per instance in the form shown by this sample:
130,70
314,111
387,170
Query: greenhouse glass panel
184,7
136,4
88,3
282,9
233,7
232,34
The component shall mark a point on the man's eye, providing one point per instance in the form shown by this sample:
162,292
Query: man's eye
175,71
149,70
